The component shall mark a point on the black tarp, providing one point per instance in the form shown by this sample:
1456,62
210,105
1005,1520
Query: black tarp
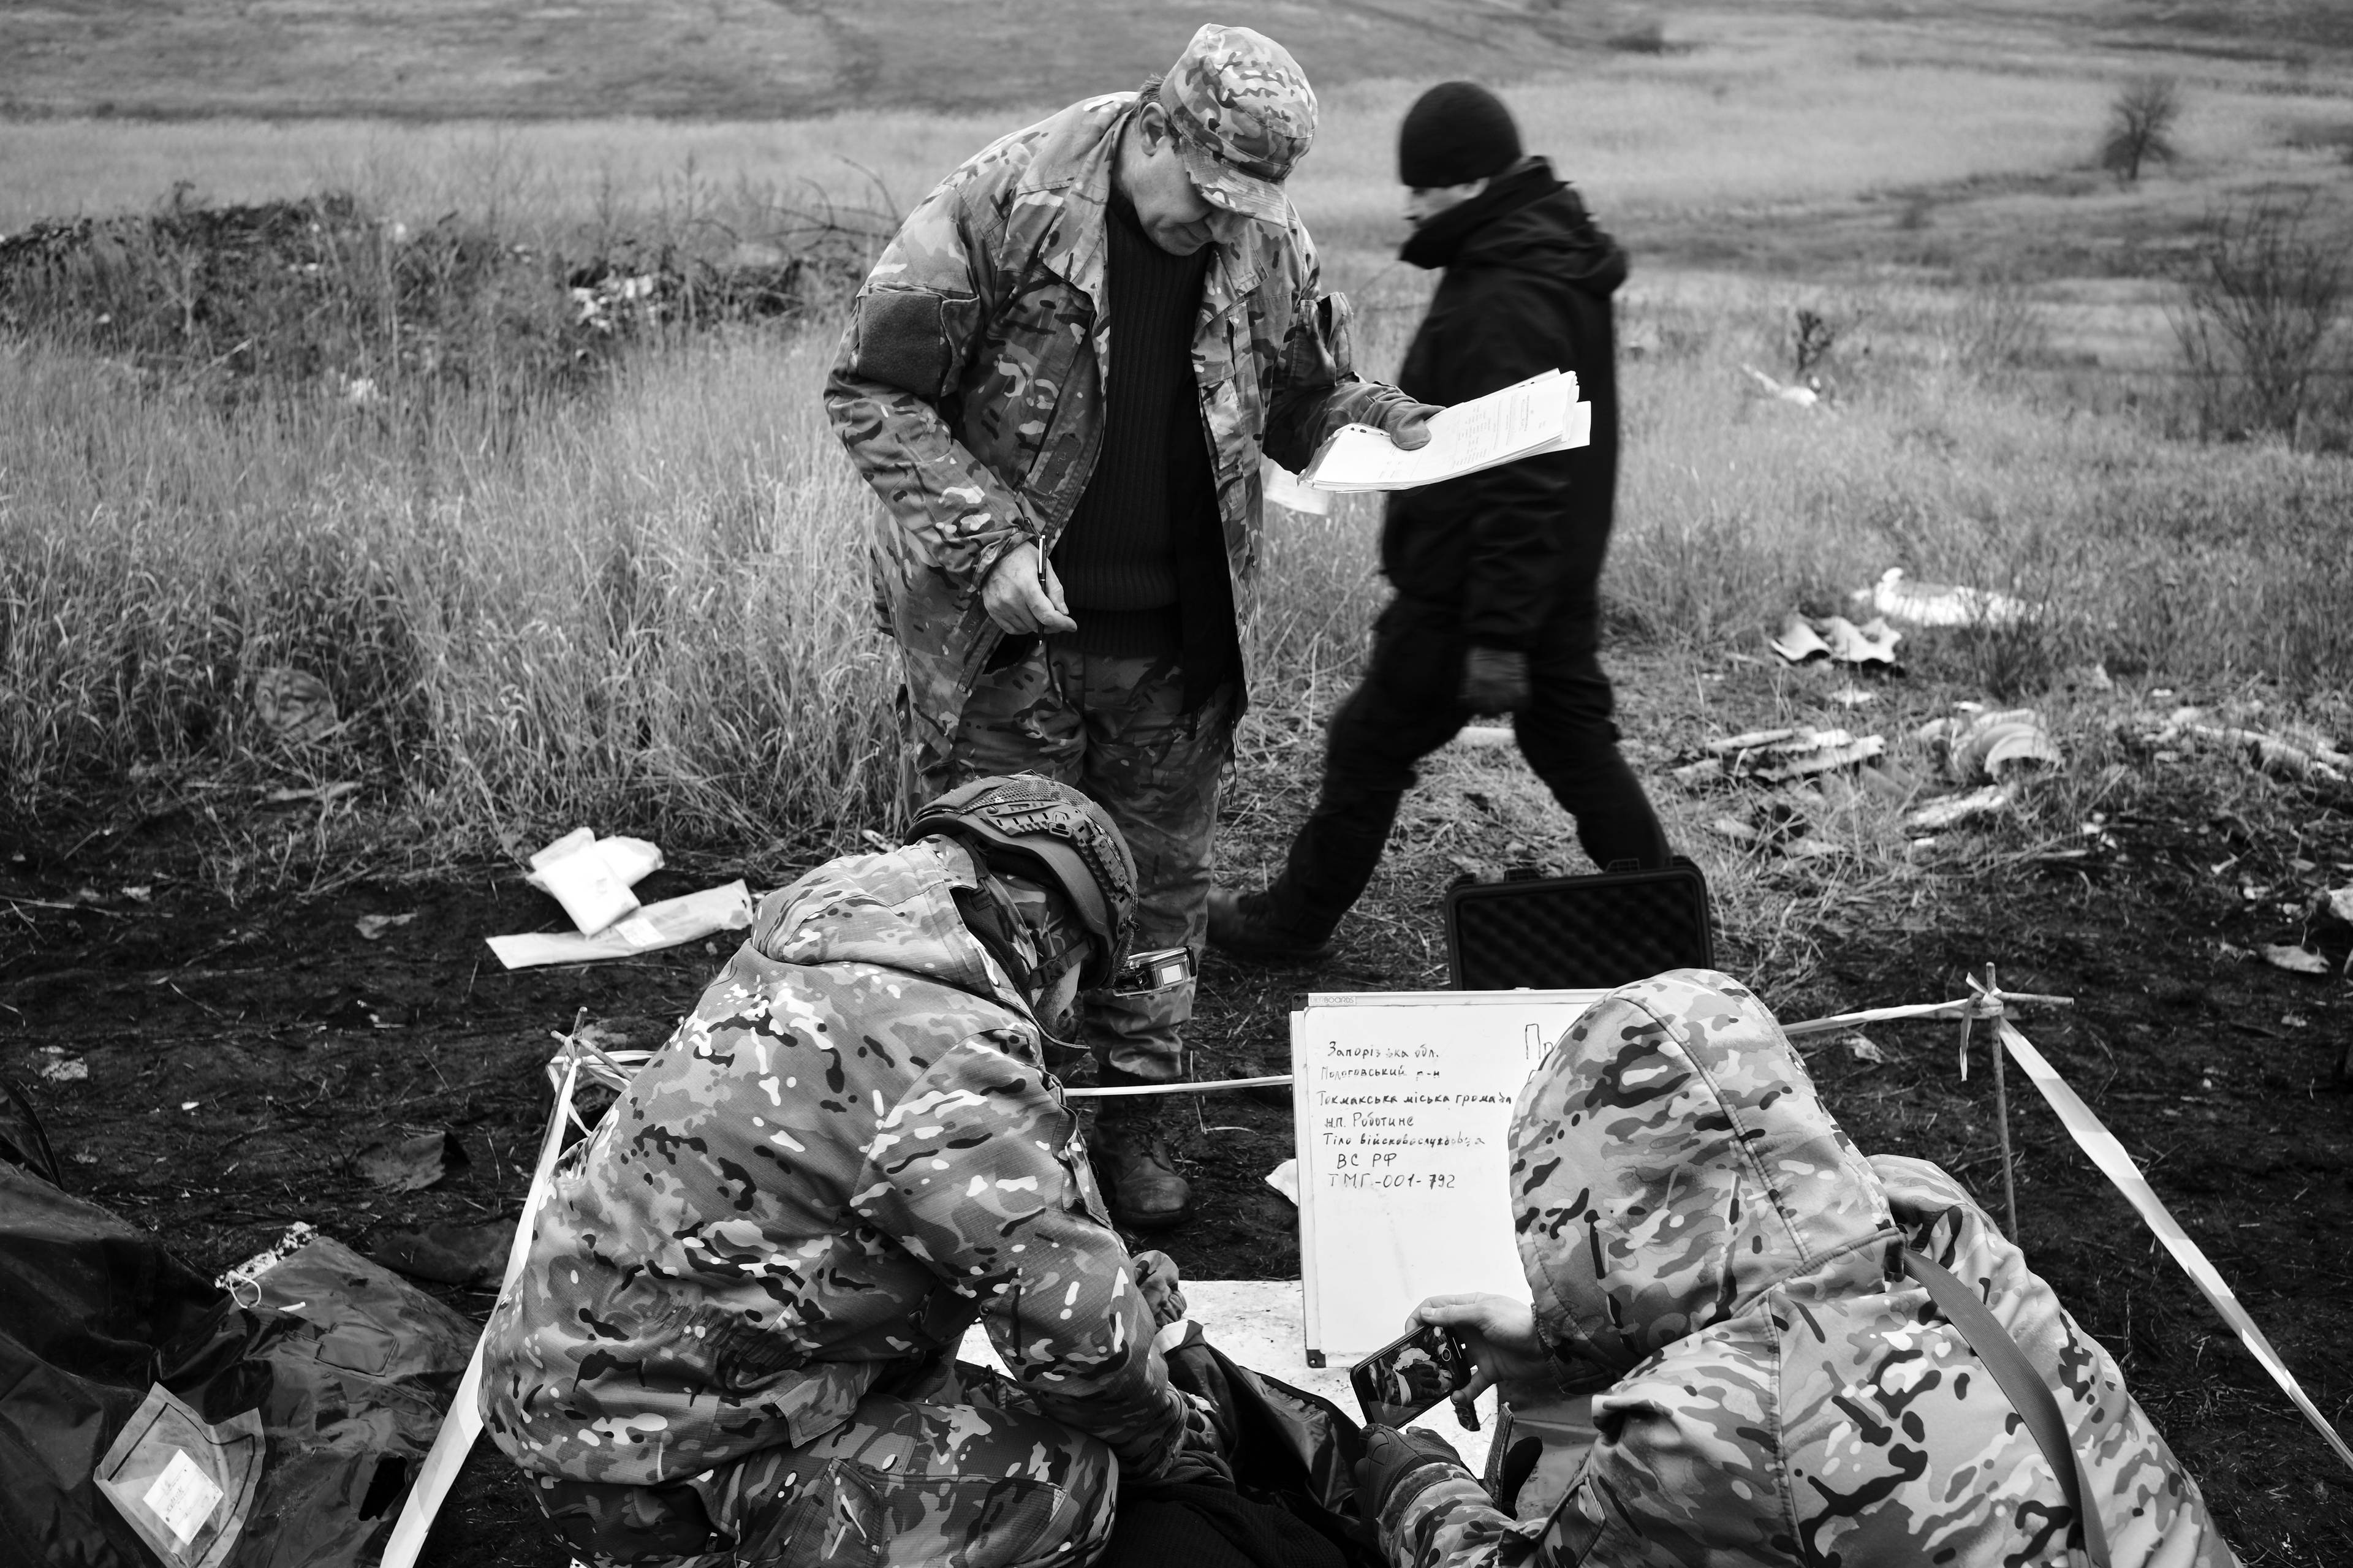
349,1367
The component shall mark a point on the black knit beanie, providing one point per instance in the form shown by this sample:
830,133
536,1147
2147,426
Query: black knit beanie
1456,133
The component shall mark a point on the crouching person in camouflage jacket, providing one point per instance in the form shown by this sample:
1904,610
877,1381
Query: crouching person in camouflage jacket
734,1340
1706,1250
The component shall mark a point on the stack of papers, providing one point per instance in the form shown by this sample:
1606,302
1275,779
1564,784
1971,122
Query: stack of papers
591,877
1539,414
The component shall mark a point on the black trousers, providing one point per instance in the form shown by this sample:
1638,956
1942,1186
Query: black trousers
1407,707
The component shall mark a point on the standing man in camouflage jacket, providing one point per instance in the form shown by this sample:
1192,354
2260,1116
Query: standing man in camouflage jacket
1060,379
1705,1248
734,1342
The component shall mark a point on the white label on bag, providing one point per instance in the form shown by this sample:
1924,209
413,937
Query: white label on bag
182,1497
638,931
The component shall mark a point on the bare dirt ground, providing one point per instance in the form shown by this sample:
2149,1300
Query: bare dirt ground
240,1054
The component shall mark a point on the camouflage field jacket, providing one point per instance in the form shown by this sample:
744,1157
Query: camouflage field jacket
1692,1221
846,1154
969,390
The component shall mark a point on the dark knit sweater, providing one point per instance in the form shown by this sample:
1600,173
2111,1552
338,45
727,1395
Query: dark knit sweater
1143,559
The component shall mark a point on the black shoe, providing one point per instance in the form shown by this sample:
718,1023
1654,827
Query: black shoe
1139,1174
1249,1062
1240,928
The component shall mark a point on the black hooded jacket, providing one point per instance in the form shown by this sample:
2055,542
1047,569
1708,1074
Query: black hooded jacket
1526,289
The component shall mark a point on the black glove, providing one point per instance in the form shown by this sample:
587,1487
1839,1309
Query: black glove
1495,680
1400,1463
1198,1459
1406,422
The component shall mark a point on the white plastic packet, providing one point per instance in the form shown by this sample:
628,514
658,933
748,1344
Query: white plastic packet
185,1486
591,877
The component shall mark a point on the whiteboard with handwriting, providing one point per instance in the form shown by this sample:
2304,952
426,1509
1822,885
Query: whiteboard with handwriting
1402,1103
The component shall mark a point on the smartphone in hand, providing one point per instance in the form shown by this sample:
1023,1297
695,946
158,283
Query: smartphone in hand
1407,1375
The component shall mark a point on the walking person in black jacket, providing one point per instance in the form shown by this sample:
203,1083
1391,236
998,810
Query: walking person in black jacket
1497,574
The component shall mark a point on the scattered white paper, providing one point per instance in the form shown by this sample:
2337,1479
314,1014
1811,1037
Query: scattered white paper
1284,1179
1537,416
665,924
182,1497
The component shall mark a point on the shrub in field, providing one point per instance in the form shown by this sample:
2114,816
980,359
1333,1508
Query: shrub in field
2265,325
2141,120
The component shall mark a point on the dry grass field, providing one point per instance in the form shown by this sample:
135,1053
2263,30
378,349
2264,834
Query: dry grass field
562,559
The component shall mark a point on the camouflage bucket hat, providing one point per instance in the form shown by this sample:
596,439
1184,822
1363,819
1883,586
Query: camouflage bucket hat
1244,114
1037,823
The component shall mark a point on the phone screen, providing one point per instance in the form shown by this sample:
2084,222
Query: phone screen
1406,1377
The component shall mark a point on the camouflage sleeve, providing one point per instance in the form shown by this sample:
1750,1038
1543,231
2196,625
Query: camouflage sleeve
1673,1480
979,1171
1315,389
911,332
1450,1521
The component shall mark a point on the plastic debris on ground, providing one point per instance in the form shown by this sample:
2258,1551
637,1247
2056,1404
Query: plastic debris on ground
591,877
1284,1179
2288,750
1937,603
61,1068
1992,747
1813,774
1955,810
1837,640
653,927
294,705
1863,1049
448,1251
1774,756
372,927
414,1164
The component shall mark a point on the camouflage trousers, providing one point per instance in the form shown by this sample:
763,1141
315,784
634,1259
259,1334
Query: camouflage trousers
990,1483
1117,730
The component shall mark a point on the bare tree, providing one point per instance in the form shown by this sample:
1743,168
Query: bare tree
2260,323
2140,126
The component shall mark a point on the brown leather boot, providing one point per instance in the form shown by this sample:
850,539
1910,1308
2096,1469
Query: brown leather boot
1137,1172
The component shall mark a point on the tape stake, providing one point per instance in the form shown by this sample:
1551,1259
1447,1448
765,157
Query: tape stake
463,1424
2094,1138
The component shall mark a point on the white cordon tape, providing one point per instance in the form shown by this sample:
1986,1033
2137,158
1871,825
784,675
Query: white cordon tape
1272,1081
2094,1138
464,1422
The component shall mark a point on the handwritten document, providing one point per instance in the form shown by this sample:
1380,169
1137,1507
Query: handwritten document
1539,414
1403,1106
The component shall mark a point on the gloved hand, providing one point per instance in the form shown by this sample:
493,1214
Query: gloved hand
1406,423
1395,1459
1495,680
1199,1459
1157,1280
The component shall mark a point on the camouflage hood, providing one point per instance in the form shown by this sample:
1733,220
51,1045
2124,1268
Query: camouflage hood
894,909
1671,1162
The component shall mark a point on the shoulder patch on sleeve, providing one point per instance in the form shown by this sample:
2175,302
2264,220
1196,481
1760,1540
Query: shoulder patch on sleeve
903,340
